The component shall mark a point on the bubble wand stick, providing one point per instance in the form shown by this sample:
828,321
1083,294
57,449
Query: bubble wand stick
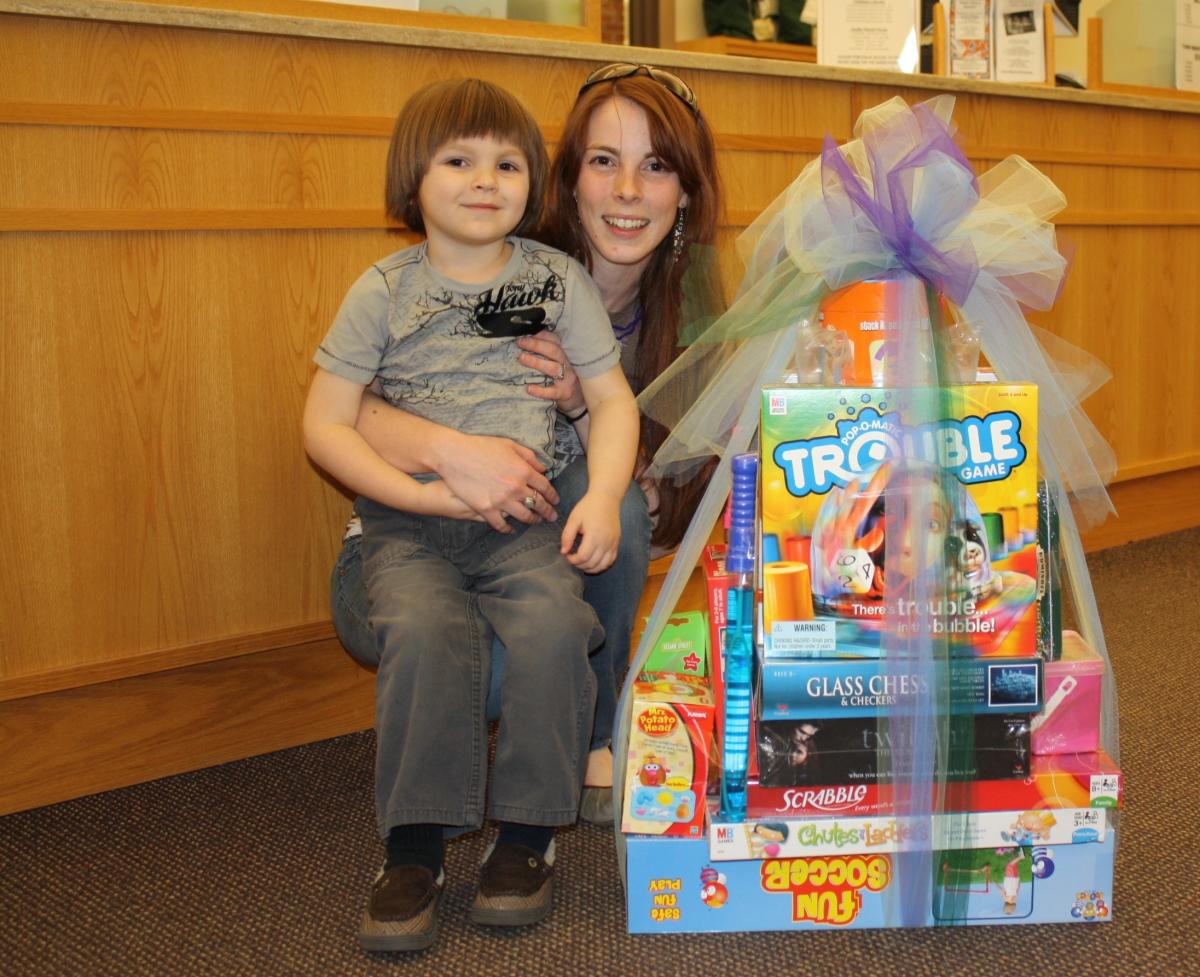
739,638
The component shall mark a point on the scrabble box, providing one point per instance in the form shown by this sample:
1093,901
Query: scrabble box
1070,780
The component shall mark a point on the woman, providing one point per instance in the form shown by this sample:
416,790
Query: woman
632,189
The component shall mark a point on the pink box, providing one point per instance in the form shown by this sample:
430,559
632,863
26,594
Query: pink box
1070,720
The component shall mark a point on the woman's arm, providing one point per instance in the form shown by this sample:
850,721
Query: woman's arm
333,443
492,475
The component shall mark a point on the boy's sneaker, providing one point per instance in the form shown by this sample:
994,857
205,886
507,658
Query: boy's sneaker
402,911
516,886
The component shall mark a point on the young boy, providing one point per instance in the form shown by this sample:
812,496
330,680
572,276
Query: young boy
434,327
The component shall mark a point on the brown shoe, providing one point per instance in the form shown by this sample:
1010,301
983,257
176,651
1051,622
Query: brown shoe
596,805
402,911
516,887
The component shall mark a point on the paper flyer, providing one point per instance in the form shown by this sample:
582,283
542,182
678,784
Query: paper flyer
970,38
1187,45
1019,41
880,35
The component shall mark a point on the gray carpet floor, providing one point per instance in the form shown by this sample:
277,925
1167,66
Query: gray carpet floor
260,868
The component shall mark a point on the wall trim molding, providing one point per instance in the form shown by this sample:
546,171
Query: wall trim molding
372,126
71,220
76,676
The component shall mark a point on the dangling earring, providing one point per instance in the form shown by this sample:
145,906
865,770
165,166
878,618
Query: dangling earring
677,240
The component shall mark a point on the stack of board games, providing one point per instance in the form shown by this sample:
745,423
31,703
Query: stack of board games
1022,829
844,474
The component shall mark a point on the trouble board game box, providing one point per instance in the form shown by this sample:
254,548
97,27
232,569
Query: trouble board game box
899,512
675,887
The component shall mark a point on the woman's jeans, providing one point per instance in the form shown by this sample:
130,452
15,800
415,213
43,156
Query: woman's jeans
614,595
437,590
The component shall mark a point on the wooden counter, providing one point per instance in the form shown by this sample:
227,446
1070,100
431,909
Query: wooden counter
187,195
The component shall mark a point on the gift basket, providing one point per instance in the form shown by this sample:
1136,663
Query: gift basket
886,723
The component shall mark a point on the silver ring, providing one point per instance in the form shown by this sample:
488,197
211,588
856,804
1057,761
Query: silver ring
530,501
562,371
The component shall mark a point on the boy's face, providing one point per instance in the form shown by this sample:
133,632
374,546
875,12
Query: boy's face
475,191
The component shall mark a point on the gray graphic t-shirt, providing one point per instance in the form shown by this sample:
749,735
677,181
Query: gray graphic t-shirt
446,351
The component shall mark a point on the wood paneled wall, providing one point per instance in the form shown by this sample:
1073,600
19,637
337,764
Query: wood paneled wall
185,200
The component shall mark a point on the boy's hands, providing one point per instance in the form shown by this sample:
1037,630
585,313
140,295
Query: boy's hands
592,532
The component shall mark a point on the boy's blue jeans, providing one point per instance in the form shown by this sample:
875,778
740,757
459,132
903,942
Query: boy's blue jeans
437,589
614,594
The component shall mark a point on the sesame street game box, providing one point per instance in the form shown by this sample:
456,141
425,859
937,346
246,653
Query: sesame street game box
673,886
935,489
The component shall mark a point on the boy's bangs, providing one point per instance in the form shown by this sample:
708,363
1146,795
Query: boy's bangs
484,115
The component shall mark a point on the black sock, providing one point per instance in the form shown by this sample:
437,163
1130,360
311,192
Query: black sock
535,836
416,844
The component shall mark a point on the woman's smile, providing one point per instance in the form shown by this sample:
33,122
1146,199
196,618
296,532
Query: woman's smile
628,198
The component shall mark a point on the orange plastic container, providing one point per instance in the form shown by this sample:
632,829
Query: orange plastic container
869,313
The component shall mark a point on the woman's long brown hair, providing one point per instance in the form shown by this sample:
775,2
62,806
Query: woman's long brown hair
683,142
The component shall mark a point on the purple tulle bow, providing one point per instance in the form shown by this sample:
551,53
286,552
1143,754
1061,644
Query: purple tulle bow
894,157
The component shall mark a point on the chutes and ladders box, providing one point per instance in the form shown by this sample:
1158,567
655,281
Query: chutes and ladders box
809,837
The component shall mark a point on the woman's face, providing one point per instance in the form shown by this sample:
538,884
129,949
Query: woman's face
627,198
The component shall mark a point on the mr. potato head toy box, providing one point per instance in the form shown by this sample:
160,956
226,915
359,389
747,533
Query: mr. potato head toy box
670,743
894,510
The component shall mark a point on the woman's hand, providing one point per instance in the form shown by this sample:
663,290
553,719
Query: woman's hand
492,476
495,477
545,354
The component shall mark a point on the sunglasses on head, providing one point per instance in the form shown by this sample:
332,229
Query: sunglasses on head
672,83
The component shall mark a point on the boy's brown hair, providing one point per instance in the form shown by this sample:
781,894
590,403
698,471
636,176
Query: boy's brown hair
453,109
